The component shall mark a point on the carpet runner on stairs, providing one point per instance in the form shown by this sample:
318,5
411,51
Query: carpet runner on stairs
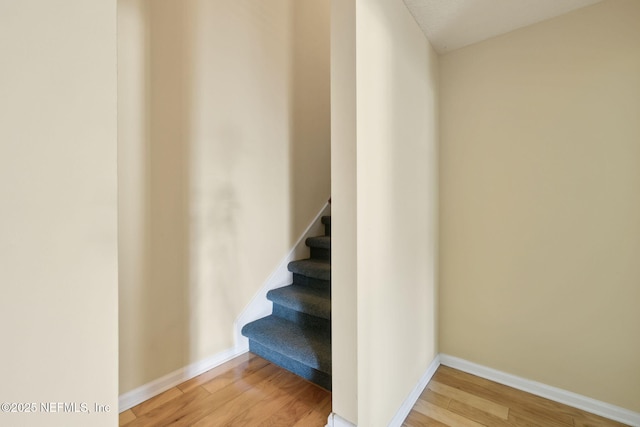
297,335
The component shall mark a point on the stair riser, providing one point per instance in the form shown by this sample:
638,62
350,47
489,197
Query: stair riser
321,253
315,376
316,269
301,318
299,279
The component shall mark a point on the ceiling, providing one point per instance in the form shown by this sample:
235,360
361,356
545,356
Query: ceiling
451,24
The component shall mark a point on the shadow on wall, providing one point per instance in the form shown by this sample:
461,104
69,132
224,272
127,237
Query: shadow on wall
153,173
207,160
311,112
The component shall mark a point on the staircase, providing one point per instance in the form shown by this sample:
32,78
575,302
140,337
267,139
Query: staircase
297,335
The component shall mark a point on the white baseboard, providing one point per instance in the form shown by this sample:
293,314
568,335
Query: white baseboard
138,395
336,420
412,398
260,306
552,393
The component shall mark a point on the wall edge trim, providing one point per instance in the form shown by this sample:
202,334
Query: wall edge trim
575,400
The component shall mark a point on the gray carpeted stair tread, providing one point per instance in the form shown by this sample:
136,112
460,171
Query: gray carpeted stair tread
314,268
326,220
323,242
313,301
309,346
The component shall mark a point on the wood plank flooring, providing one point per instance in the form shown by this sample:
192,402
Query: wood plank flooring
453,398
250,391
246,391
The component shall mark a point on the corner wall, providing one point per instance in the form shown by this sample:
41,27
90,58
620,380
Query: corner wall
540,202
58,190
397,137
344,225
384,76
384,182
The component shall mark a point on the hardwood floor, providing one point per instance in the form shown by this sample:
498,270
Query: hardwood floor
453,398
246,391
250,391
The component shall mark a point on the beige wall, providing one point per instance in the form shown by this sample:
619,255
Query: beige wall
132,171
344,225
384,78
216,136
540,202
58,259
311,109
397,81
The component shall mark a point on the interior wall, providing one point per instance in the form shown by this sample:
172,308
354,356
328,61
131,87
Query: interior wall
132,182
344,226
397,134
540,202
311,110
214,130
58,189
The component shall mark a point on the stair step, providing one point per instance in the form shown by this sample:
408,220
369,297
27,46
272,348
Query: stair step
326,220
323,242
313,301
320,247
320,378
297,335
309,346
313,268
